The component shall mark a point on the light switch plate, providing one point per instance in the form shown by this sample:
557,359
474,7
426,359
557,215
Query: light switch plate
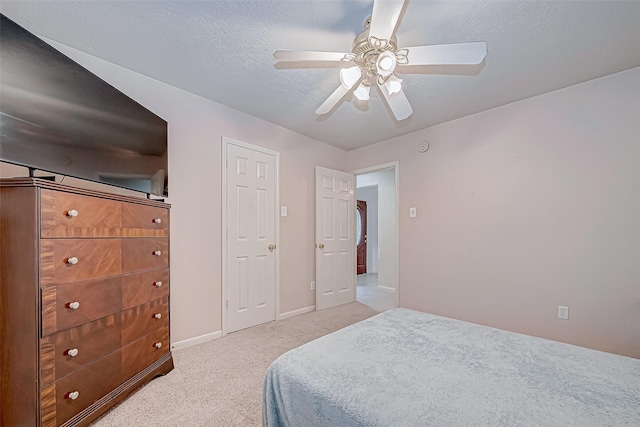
413,212
283,211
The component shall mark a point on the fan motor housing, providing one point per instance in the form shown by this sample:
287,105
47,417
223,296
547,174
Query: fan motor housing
366,53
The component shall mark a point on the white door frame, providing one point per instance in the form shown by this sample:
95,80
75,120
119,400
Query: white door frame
223,226
396,167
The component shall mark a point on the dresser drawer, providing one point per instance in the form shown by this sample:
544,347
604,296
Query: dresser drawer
144,319
73,215
93,258
94,299
144,254
142,220
143,352
67,351
91,383
138,288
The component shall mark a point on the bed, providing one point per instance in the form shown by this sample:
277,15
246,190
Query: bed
406,368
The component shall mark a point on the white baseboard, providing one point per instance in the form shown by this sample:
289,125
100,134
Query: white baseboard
296,312
387,288
195,340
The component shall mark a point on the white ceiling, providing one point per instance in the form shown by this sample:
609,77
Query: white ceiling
222,50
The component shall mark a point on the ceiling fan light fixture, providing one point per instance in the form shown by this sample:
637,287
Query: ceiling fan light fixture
393,85
386,63
362,92
375,54
349,76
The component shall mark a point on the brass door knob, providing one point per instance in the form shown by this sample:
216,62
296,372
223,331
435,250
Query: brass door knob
320,245
272,247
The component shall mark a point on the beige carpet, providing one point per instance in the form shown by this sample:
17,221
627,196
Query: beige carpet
219,383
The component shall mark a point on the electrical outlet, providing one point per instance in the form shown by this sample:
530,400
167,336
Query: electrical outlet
313,285
563,312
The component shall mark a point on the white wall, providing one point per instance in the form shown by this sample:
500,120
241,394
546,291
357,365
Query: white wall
385,180
370,195
526,207
196,127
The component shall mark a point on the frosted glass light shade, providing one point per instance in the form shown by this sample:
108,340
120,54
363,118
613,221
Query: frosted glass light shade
386,63
349,76
393,85
362,92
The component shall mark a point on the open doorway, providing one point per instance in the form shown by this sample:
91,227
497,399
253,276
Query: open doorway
376,195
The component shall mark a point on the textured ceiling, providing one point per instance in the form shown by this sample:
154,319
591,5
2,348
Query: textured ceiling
222,50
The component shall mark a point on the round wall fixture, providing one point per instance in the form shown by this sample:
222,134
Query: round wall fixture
424,147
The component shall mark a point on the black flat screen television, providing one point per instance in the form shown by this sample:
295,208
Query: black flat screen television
57,116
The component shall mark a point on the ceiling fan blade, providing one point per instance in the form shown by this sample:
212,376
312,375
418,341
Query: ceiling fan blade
309,55
447,54
385,18
398,103
332,100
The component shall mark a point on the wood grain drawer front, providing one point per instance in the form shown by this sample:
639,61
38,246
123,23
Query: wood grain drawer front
142,320
73,215
138,288
67,351
90,383
94,299
143,352
144,254
72,260
140,220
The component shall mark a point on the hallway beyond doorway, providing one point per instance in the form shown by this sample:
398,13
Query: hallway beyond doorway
368,293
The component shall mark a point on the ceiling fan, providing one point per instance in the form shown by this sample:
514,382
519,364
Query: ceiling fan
375,57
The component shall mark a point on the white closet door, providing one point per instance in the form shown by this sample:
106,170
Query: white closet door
251,236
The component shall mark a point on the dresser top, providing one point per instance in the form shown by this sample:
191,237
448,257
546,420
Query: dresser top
45,183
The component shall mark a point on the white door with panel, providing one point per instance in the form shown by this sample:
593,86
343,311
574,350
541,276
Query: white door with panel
335,238
251,183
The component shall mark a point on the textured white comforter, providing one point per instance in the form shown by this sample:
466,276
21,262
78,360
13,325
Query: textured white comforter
406,368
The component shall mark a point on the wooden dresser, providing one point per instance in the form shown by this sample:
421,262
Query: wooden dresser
84,300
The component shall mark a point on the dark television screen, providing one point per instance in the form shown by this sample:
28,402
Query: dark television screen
58,117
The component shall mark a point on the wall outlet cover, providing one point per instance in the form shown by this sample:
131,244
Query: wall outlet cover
563,312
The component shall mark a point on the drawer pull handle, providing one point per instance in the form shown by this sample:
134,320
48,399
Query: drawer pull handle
157,284
157,220
73,305
72,260
157,253
158,345
73,395
157,316
72,213
73,352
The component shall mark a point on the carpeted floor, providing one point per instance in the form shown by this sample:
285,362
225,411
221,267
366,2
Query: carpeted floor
219,383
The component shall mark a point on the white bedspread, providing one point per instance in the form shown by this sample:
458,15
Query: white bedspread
406,368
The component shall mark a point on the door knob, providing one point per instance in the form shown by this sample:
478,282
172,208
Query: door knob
272,247
320,245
